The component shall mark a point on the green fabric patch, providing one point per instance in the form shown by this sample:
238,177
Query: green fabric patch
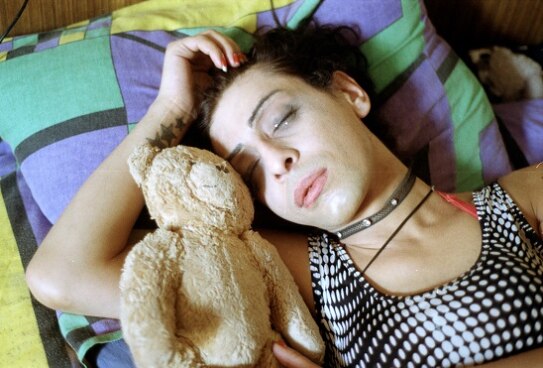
471,113
29,40
70,324
305,10
393,50
79,79
98,32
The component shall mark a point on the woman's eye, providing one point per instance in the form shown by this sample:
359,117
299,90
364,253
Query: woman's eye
279,125
285,120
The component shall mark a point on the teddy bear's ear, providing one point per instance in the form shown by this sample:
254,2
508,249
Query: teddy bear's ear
140,160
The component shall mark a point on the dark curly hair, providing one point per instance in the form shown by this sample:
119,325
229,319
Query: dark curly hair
310,52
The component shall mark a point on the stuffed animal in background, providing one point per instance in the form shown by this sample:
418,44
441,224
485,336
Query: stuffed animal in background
204,289
508,76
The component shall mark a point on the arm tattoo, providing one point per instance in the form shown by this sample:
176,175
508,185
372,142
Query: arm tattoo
166,137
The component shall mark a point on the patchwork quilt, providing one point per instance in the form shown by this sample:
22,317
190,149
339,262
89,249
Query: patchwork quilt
69,96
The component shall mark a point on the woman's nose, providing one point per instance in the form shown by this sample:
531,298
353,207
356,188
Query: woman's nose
278,159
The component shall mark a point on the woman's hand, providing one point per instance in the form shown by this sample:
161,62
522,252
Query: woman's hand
187,64
290,358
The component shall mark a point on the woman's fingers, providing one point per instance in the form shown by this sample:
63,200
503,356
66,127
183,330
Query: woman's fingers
187,62
222,50
230,48
290,358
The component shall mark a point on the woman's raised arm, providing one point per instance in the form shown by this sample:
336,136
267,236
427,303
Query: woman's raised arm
78,265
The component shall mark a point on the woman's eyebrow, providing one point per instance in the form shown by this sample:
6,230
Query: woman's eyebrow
250,122
259,105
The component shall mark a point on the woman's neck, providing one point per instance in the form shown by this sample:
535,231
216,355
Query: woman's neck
385,176
389,205
373,236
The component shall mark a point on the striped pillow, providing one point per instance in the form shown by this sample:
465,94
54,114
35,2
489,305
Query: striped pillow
428,102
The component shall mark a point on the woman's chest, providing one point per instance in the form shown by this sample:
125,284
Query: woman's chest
490,309
416,264
484,315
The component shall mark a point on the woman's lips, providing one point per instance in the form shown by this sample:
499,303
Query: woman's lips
310,188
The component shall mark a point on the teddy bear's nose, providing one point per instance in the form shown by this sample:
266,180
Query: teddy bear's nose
222,168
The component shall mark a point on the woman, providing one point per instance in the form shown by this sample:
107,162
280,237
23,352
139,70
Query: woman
410,284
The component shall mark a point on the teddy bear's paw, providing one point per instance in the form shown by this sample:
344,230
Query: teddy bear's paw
171,353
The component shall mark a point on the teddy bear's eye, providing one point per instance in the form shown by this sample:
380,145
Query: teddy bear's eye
222,168
485,57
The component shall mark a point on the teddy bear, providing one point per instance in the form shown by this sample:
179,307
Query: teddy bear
508,76
203,289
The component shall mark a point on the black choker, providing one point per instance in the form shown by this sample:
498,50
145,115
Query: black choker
395,199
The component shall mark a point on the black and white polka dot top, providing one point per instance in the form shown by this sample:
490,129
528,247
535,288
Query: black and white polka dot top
493,310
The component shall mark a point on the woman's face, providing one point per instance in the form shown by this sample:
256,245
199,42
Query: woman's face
303,150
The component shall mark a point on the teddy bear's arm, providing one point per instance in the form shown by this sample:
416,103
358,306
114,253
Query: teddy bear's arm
290,315
149,285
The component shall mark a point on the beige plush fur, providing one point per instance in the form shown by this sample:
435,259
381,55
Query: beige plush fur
204,290
508,76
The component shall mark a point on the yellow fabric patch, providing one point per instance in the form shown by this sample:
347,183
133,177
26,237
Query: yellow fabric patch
174,14
20,342
83,23
68,37
3,55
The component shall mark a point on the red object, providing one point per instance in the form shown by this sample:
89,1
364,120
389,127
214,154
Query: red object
469,208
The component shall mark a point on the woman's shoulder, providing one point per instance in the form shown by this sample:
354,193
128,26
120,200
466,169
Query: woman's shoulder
531,175
525,187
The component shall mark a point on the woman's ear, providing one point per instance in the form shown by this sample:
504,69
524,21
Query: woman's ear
351,90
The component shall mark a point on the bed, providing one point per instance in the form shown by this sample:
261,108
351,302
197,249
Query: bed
76,76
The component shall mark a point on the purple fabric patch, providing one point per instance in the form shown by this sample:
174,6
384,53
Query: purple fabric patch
47,44
266,19
524,121
7,160
6,46
99,23
369,16
105,326
430,34
66,173
426,115
435,48
424,121
39,224
138,64
441,164
493,153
